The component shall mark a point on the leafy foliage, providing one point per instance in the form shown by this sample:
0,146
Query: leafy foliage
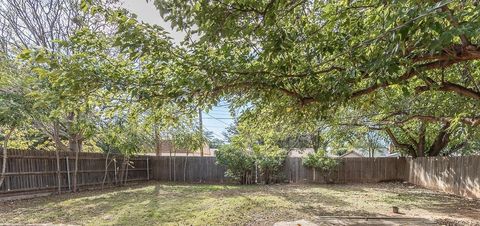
300,73
270,160
319,160
239,163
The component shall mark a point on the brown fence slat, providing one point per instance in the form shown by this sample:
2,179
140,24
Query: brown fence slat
455,175
37,170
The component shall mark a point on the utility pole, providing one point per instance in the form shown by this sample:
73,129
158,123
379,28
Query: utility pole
201,131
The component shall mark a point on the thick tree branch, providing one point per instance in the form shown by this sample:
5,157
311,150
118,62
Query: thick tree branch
450,57
475,121
451,87
395,142
441,140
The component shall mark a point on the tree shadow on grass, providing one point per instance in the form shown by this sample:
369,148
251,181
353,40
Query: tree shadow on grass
323,201
435,202
119,205
156,203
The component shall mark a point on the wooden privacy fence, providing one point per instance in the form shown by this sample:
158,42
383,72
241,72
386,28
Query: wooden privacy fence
349,170
455,175
37,171
188,169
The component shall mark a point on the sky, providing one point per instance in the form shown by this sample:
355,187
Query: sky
218,118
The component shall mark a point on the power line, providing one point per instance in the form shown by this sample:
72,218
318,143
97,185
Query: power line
218,119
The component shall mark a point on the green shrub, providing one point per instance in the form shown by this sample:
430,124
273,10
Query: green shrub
319,160
270,161
240,164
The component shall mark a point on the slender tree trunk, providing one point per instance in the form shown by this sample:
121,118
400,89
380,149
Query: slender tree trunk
75,170
421,140
185,169
157,140
174,165
59,177
106,169
121,175
56,138
170,164
5,153
313,173
126,171
116,170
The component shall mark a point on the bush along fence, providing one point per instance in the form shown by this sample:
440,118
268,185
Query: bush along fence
38,171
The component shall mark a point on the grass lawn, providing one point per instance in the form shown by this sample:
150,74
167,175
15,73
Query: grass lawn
168,203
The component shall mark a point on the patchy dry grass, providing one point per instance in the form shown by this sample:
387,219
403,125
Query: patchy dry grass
166,203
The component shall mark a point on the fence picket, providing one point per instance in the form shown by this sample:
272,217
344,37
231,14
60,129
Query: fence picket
38,171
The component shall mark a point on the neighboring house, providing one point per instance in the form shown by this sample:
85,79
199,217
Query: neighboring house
303,152
393,155
352,154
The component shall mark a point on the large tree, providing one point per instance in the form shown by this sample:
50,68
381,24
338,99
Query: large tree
393,63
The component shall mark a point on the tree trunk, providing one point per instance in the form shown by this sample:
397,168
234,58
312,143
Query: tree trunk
121,175
106,169
314,174
174,165
170,165
396,143
126,171
5,153
185,169
59,177
56,138
157,140
75,170
421,140
315,141
441,141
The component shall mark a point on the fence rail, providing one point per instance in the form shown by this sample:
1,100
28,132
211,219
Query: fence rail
30,171
188,169
37,171
349,170
454,175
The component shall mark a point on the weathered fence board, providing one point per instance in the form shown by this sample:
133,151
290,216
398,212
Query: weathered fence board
187,169
350,170
37,171
455,175
30,171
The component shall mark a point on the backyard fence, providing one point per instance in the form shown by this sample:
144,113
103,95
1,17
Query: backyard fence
454,175
37,171
349,170
187,169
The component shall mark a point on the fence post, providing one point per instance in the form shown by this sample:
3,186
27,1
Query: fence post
115,170
126,172
148,170
68,173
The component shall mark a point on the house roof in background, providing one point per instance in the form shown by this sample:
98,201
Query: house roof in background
351,154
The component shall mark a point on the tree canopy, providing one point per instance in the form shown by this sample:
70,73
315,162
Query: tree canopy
326,73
